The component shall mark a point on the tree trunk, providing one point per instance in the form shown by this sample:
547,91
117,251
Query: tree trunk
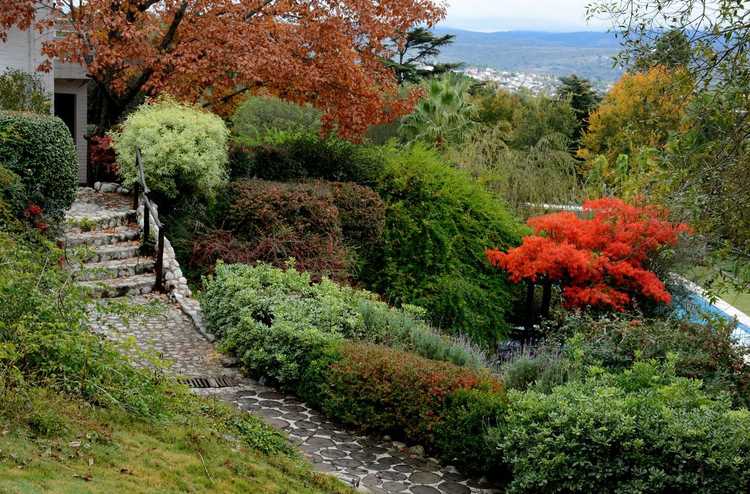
530,305
546,298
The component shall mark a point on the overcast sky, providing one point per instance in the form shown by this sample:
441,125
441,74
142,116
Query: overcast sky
501,15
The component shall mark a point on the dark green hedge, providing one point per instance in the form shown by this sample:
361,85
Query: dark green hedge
439,222
40,149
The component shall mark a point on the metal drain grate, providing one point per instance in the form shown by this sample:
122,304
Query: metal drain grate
209,382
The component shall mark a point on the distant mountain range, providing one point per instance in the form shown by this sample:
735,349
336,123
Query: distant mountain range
587,54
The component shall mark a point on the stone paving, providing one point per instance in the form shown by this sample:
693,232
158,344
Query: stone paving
372,465
163,330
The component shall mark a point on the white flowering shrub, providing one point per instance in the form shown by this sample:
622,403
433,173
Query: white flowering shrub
184,149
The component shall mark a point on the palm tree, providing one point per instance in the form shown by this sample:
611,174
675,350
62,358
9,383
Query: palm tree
443,116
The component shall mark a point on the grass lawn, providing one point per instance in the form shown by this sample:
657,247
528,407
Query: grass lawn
54,444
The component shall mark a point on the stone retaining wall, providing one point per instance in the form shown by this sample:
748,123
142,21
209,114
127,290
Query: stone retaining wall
174,280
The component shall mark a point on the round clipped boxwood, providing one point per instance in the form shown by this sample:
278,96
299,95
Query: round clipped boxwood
184,149
40,150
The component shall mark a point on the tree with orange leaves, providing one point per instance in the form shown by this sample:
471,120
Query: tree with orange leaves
599,260
324,52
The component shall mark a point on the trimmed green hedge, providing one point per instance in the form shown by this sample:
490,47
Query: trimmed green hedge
40,150
439,222
326,343
305,155
276,320
641,431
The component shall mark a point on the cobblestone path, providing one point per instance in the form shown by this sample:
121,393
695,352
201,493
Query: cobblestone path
370,465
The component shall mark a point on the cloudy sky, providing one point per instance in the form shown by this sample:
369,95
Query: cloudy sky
500,15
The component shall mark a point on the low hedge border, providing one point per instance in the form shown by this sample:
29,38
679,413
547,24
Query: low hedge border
643,429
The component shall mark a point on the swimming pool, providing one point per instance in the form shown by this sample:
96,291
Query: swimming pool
696,305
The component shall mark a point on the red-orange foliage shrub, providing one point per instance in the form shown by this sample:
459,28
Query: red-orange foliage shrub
381,389
599,260
314,222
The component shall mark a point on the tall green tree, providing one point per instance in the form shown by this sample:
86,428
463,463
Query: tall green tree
583,99
414,51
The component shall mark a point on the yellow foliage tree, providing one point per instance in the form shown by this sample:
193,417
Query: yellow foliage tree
639,112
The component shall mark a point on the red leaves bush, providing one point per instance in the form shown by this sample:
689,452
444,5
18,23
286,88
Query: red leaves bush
388,391
599,261
313,222
102,159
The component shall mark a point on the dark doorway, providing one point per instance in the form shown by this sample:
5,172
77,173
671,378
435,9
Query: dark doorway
65,108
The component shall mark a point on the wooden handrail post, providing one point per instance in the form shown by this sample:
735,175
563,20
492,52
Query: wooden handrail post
146,224
159,286
136,195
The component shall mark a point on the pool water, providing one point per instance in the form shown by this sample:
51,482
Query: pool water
696,307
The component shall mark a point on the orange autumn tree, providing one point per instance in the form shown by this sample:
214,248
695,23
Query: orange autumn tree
599,260
324,52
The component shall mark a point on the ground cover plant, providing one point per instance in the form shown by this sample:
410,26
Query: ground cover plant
77,416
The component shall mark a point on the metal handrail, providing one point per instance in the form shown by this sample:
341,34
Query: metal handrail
141,192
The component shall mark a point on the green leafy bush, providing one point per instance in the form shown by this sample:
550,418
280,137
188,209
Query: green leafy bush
438,224
259,116
461,436
304,155
247,306
641,431
40,150
12,197
701,351
21,91
184,149
380,389
45,337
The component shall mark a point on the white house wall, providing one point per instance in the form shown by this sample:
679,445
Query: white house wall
23,51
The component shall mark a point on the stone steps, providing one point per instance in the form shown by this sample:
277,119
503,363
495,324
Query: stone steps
120,268
101,220
140,284
114,252
76,238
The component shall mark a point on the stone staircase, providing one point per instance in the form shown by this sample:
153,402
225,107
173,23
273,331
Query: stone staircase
104,231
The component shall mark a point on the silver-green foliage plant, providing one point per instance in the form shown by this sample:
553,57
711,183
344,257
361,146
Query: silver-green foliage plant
443,116
277,321
184,149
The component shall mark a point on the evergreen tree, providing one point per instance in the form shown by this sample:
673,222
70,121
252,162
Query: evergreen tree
414,50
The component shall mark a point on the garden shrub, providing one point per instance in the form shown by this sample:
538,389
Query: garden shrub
45,338
40,150
12,197
246,306
438,224
461,436
184,149
304,155
702,351
322,225
23,92
380,389
258,116
641,431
